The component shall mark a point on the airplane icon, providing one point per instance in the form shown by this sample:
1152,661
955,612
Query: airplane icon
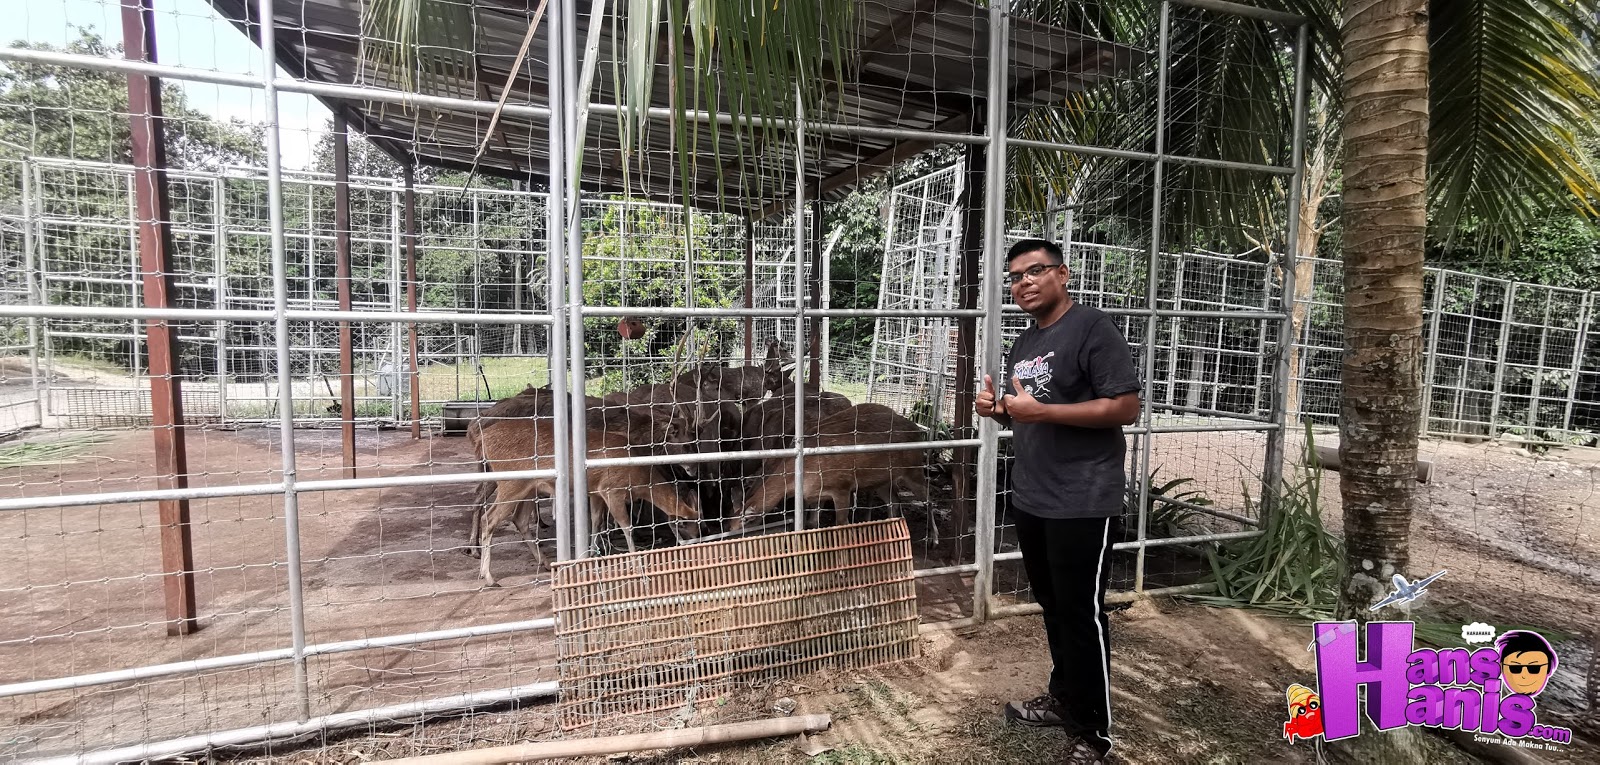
1405,592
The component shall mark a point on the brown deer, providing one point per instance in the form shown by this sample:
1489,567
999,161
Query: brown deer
647,432
838,477
530,445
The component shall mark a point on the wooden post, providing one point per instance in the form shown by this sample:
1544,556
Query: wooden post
341,249
411,300
151,208
966,338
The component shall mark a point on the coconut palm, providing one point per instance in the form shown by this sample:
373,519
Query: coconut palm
1486,137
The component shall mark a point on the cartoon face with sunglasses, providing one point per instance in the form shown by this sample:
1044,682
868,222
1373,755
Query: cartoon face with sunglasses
1526,661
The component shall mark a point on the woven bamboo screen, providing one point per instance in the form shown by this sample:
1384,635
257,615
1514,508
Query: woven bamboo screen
672,628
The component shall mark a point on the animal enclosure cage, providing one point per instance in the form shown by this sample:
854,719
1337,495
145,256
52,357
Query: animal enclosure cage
264,531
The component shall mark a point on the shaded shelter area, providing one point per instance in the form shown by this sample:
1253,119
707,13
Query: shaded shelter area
922,65
919,80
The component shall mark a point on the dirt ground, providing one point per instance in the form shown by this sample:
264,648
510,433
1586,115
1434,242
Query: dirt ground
1518,532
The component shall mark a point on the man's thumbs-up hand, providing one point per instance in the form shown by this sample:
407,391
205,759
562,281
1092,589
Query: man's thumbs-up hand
988,404
1022,406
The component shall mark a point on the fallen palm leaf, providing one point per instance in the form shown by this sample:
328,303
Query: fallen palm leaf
57,452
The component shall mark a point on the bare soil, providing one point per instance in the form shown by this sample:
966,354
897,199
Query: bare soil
1518,532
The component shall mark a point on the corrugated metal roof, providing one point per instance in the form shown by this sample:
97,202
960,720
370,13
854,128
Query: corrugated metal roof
923,65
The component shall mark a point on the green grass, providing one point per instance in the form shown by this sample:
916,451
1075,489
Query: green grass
79,363
504,375
855,391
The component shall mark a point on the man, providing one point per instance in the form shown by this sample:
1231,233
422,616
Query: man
1072,388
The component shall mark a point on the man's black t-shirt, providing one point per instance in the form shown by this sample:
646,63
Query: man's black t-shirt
1063,471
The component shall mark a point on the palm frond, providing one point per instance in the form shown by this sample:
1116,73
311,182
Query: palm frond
419,45
1229,97
1513,84
765,62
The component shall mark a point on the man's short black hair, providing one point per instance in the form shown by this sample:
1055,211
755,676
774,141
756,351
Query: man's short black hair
1519,641
1035,245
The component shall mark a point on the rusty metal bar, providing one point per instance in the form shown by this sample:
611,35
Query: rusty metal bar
341,250
155,270
411,299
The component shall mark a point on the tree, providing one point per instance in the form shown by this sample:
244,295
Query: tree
1385,227
79,113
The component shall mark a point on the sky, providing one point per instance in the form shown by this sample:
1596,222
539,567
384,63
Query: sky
188,34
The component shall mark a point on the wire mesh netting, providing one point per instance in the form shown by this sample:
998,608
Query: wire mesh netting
335,495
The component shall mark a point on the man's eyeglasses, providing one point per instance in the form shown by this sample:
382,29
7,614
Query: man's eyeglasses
1533,669
1031,274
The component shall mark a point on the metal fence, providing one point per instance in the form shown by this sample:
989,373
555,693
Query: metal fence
1503,358
196,584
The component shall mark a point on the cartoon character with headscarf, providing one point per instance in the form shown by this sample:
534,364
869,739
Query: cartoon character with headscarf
1526,661
1305,714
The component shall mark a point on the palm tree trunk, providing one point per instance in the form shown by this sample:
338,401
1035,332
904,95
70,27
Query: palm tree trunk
1385,184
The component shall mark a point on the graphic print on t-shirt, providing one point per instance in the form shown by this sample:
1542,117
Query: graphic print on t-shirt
1037,370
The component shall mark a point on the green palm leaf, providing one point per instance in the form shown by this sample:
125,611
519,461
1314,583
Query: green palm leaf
1512,87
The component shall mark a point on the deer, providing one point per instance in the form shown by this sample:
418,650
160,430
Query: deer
704,421
769,424
648,432
530,445
839,477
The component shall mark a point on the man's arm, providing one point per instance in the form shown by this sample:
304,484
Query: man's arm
1095,413
1112,412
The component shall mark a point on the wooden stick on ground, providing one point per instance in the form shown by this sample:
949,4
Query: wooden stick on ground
667,739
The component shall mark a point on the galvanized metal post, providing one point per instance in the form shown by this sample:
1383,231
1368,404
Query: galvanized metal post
994,238
1439,280
799,310
814,327
341,254
568,540
1581,340
1277,439
1175,330
46,336
30,260
155,269
1538,366
567,15
280,299
219,291
1506,315
409,176
749,289
827,302
1152,273
396,278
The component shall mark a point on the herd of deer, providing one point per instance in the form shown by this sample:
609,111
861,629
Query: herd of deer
709,409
